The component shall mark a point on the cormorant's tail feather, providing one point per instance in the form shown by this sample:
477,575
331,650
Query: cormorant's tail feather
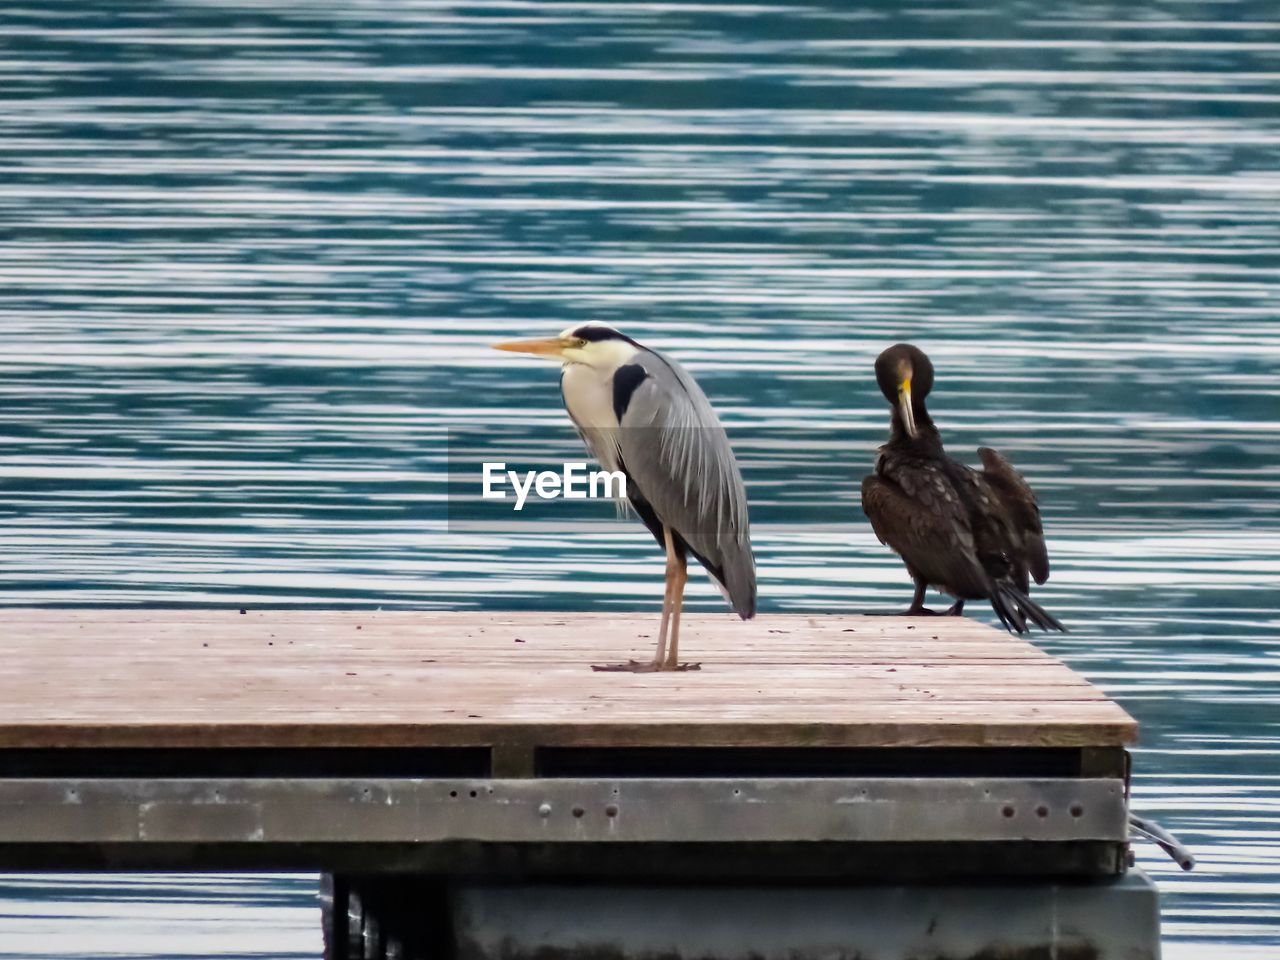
1006,609
1015,608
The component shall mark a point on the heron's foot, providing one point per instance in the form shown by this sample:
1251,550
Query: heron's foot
644,666
631,666
684,667
919,612
955,610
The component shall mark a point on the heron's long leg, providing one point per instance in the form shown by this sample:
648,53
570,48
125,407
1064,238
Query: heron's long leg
666,599
956,609
677,603
676,575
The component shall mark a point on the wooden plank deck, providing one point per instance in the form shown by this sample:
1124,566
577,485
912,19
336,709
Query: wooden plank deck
218,678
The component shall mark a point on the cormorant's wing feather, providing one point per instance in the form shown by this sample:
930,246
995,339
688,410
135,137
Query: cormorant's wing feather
927,526
678,459
1019,502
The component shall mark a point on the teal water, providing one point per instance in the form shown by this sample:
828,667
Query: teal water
251,254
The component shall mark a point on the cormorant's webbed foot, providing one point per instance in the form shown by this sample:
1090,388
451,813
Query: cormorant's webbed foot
917,608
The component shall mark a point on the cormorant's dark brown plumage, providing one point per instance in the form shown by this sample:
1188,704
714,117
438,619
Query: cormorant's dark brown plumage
974,535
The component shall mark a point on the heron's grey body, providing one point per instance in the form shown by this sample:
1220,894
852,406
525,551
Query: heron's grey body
657,426
641,413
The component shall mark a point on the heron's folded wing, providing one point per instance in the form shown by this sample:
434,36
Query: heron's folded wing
677,456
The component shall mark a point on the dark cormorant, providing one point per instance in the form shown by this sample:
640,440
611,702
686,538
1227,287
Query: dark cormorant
974,535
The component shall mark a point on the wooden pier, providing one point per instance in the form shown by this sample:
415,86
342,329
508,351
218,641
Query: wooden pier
444,769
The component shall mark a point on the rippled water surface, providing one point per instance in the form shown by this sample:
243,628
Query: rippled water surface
251,254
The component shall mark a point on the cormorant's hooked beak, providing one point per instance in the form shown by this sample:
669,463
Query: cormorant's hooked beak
905,408
548,347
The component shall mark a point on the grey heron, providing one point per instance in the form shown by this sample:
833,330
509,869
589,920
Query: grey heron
972,534
641,413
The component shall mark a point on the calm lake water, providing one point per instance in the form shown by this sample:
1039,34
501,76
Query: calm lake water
251,254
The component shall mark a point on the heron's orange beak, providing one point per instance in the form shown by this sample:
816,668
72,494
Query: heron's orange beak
549,347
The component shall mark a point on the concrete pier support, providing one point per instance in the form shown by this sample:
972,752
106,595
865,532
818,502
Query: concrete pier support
1114,919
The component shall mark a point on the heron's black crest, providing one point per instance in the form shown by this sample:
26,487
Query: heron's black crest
625,381
593,332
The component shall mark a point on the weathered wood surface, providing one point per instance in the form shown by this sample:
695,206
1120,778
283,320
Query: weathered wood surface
212,678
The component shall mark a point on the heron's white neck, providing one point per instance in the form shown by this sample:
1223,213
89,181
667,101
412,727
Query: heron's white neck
586,382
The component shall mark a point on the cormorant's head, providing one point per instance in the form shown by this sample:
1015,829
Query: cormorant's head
905,376
593,344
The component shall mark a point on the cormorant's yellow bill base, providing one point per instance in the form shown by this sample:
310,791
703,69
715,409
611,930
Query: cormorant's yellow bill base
546,347
904,406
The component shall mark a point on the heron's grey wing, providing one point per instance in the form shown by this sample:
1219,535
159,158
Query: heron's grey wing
1019,502
926,525
679,463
